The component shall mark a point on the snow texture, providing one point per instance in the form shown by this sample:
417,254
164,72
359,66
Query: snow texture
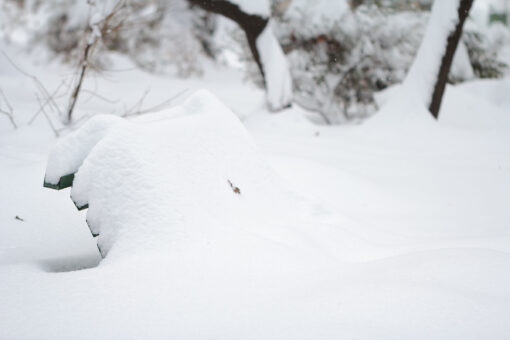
404,233
424,70
461,65
68,155
144,181
319,13
276,70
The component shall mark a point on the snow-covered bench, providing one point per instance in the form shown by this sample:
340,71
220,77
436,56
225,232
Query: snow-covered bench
68,155
166,176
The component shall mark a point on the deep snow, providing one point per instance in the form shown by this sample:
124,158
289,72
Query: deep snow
395,228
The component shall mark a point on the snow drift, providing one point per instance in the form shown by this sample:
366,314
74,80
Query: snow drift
409,238
151,182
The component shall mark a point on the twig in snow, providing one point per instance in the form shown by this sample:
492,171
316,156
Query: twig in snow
235,189
98,96
138,105
37,82
46,102
50,123
49,98
10,112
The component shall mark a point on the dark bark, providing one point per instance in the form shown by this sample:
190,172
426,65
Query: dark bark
446,62
252,25
76,91
356,3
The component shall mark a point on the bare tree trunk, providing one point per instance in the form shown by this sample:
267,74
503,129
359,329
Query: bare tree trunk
264,47
252,25
446,62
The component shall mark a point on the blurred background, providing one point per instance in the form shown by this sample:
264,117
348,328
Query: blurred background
341,53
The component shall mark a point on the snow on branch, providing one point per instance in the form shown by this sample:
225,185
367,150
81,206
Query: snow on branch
429,72
276,70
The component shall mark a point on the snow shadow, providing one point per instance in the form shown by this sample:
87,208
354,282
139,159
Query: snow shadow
70,264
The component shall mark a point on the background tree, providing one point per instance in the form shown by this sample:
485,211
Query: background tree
264,47
429,73
446,63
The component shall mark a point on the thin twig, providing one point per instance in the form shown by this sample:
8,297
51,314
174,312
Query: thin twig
50,123
93,38
36,80
10,112
96,95
47,101
77,122
157,107
138,105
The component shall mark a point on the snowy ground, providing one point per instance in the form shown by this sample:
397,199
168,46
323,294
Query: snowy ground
403,230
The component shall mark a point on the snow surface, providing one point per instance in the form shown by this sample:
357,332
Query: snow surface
145,181
396,228
68,155
276,70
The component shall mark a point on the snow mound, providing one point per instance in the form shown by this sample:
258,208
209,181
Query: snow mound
68,155
169,179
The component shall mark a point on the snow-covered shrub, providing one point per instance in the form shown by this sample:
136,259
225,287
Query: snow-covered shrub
172,40
339,62
10,17
159,35
484,47
339,58
482,56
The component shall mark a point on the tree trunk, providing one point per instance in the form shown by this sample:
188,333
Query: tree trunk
264,47
446,62
252,25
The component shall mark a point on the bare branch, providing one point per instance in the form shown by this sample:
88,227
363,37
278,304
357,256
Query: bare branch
98,96
10,112
38,83
93,35
137,106
50,123
154,108
46,102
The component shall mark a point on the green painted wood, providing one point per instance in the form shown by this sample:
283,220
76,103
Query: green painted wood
501,17
80,208
64,182
93,234
99,248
